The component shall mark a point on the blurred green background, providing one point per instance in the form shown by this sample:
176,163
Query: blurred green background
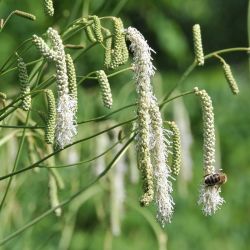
167,26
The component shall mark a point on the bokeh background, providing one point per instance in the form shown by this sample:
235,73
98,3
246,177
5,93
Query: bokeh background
85,223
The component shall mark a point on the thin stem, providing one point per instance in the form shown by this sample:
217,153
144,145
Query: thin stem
97,119
35,92
67,201
219,58
190,69
175,97
86,161
59,150
104,117
182,79
109,76
224,51
22,127
248,28
15,164
13,54
14,68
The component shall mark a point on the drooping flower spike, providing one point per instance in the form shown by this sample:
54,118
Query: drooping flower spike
24,83
120,51
51,120
72,78
105,89
97,28
66,105
151,143
176,148
209,198
229,76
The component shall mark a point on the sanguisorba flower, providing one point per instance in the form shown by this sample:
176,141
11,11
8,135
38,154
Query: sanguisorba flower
143,72
48,7
176,148
198,49
160,151
209,198
151,140
105,88
25,84
66,105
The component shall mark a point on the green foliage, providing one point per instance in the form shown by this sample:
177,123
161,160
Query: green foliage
85,221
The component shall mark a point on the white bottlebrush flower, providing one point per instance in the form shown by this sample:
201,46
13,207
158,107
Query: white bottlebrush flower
149,110
210,199
65,121
66,104
144,70
160,151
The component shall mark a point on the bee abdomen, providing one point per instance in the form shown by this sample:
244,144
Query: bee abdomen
212,179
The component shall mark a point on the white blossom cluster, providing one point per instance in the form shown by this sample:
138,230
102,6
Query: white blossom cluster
209,198
66,104
150,127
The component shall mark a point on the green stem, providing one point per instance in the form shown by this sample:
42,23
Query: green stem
248,27
104,117
59,150
175,97
67,201
22,127
14,68
190,69
35,92
15,164
13,54
86,161
182,79
109,76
